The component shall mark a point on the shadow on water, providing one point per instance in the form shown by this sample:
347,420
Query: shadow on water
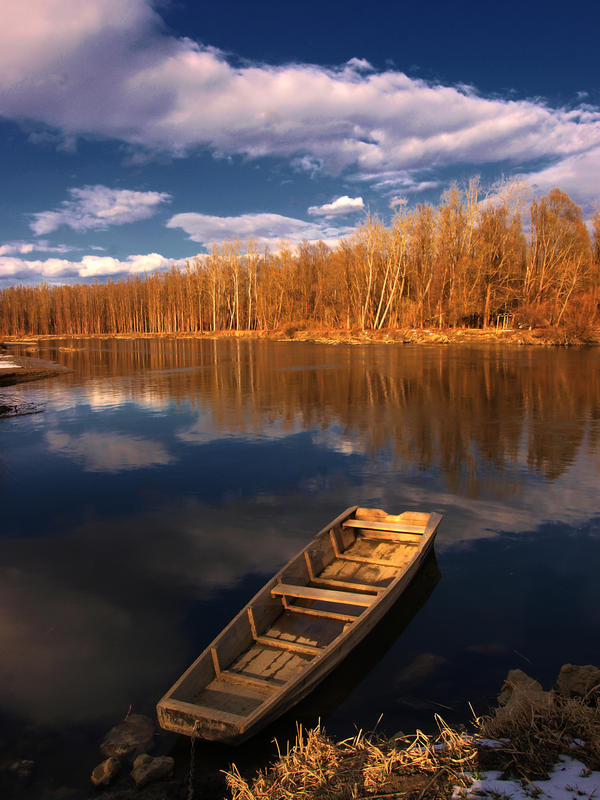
211,758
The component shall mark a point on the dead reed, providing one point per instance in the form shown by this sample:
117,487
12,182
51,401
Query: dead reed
534,728
316,768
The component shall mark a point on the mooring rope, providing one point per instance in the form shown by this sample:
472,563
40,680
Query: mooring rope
193,737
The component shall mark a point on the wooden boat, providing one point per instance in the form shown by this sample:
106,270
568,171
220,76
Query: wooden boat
300,625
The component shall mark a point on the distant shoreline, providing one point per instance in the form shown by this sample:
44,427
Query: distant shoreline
544,337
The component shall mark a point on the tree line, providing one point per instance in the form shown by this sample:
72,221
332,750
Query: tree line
468,262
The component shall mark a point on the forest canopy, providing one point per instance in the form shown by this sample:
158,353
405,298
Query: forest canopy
464,263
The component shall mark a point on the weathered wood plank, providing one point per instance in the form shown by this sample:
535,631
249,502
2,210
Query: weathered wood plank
328,595
378,514
374,525
206,711
316,612
286,644
363,588
390,538
268,663
364,560
250,680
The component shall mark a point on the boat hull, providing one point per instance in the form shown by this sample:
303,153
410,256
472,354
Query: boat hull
228,667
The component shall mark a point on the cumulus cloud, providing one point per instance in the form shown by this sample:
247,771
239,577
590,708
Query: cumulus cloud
340,207
266,228
109,68
13,269
97,207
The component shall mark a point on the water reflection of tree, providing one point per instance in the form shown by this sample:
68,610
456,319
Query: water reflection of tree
477,416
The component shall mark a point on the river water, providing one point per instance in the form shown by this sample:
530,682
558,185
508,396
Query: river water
165,480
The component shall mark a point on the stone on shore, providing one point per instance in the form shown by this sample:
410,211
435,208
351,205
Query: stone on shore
129,738
104,773
22,769
147,769
574,681
519,686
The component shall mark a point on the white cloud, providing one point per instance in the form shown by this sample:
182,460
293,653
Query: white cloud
24,248
18,269
109,452
395,180
578,176
266,228
110,69
97,207
340,207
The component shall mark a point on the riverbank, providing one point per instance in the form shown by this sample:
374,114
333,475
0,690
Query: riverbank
533,742
22,369
540,337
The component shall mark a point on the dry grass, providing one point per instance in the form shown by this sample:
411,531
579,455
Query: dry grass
316,768
533,729
536,728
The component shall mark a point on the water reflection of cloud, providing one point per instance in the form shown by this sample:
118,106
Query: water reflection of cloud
109,452
419,670
102,394
208,427
339,442
67,652
112,610
94,619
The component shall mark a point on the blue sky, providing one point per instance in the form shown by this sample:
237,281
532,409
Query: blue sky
134,133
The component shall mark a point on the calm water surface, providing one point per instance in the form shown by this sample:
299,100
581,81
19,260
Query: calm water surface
165,480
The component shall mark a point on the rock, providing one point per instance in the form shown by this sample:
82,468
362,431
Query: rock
104,773
519,680
147,769
574,681
23,769
518,685
130,738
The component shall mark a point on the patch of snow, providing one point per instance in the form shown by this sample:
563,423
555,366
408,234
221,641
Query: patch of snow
489,743
569,780
6,363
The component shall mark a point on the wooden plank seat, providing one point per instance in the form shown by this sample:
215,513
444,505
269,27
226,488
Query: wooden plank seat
317,612
250,680
375,562
391,527
328,595
334,583
289,644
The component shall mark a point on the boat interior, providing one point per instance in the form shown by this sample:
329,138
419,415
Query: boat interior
327,588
